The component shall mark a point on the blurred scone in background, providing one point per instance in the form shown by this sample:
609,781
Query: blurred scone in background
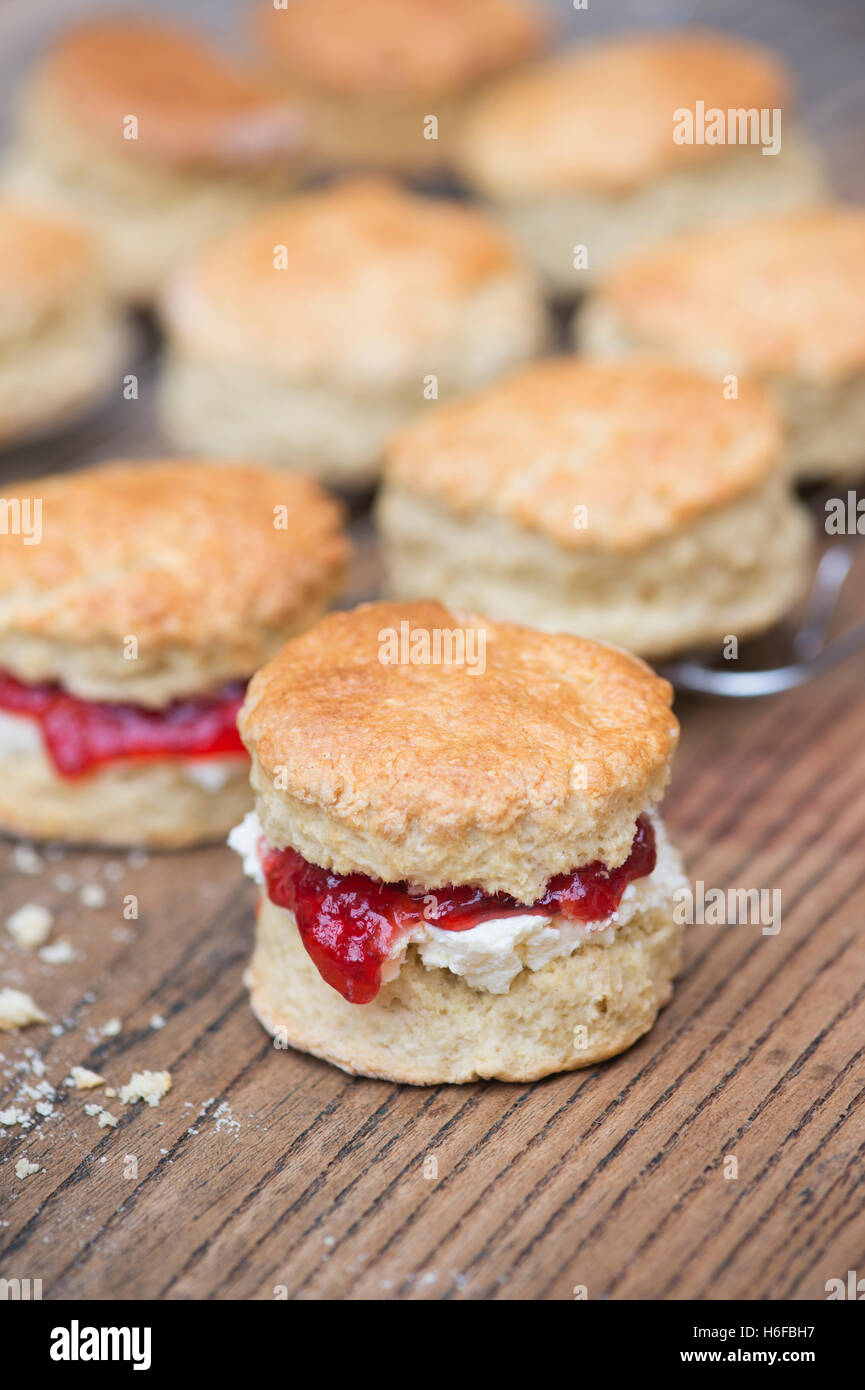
307,335
150,138
63,344
383,83
579,150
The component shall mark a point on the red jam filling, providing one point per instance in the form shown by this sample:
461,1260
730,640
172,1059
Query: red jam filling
349,923
81,734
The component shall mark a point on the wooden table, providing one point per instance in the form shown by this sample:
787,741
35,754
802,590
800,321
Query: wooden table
265,1172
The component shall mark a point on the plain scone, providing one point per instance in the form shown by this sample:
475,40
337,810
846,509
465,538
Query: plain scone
628,502
369,76
780,300
63,344
306,336
210,144
578,150
429,775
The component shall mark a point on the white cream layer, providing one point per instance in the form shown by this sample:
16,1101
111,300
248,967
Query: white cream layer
21,737
491,955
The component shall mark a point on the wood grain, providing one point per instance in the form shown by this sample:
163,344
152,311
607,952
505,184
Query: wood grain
263,1168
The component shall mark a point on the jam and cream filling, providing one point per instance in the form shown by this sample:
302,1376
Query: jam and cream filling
357,930
79,736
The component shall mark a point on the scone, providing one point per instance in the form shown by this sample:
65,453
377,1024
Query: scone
62,341
629,503
581,150
463,873
781,300
307,335
134,606
383,83
151,140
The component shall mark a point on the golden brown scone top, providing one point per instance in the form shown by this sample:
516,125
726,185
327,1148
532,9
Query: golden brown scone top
45,265
174,552
784,295
192,106
599,118
361,272
398,46
645,448
387,747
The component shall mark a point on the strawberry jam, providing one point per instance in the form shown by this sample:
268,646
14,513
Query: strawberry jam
81,734
349,923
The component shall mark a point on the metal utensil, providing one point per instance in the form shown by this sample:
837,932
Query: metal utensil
813,655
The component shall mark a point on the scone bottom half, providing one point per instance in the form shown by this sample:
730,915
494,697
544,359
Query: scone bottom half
462,871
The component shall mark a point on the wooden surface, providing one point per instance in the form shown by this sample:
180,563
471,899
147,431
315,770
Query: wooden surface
264,1169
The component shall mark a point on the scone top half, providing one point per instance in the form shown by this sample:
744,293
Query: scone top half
598,119
192,108
406,48
491,772
382,83
201,573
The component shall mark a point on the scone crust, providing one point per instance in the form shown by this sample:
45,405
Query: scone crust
193,107
645,448
183,556
600,118
431,774
780,296
359,283
46,266
429,1027
404,47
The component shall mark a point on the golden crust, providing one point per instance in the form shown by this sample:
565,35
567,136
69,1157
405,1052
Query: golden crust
538,762
600,117
644,447
782,295
45,266
180,554
397,46
192,106
361,277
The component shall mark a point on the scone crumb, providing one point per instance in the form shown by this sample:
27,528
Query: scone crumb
17,1010
110,1092
105,1118
30,925
13,1116
157,1021
26,860
84,1080
57,953
149,1086
111,1028
93,895
24,1168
